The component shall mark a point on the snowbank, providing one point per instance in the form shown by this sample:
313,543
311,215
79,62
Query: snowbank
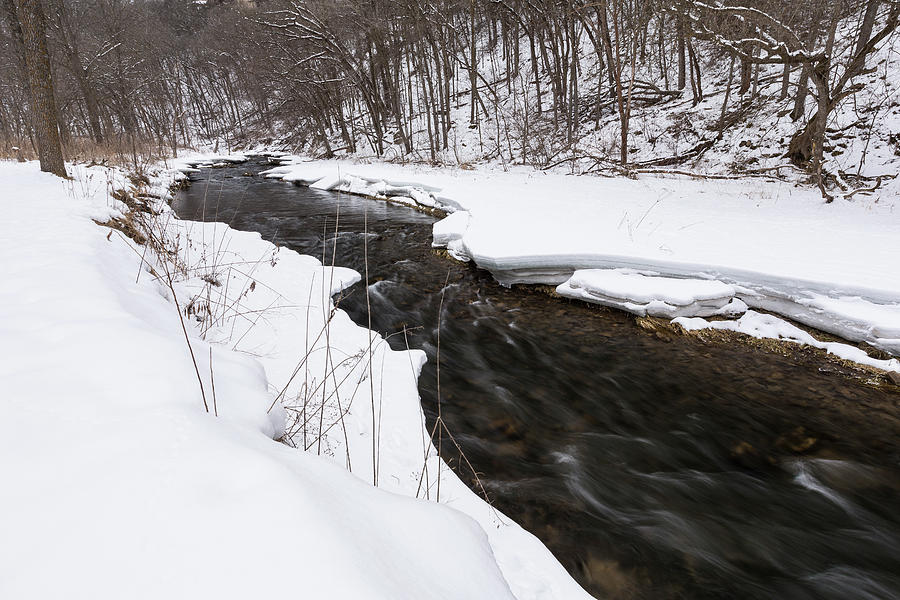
850,317
761,325
831,266
120,483
448,232
331,179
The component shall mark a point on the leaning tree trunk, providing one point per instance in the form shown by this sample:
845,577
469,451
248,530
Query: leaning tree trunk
43,105
868,23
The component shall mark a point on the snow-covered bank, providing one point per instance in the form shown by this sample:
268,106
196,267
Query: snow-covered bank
829,266
760,325
118,482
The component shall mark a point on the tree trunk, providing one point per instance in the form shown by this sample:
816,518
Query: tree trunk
15,30
534,69
721,126
607,43
785,81
18,47
473,72
807,147
682,67
620,94
800,98
746,70
803,83
865,30
694,66
43,104
90,102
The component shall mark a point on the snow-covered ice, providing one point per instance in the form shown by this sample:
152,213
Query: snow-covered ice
349,180
647,293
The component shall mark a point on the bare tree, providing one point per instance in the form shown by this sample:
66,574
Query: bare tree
766,39
44,115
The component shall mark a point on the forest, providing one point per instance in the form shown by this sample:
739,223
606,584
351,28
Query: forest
604,86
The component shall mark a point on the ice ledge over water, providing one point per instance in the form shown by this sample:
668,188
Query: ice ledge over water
414,194
647,294
448,232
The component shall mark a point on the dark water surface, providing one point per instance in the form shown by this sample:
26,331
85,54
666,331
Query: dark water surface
652,465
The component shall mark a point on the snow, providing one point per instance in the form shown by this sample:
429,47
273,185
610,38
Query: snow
117,480
447,233
850,317
222,160
761,325
327,183
450,228
645,293
830,266
348,180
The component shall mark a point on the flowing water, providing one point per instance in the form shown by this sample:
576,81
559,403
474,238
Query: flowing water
652,465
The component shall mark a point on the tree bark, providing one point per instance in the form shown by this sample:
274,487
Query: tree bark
868,23
43,104
746,70
682,74
785,81
473,72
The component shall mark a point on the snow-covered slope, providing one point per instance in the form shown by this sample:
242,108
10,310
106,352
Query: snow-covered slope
117,482
720,132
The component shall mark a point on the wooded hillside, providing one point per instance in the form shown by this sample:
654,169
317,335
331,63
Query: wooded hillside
743,86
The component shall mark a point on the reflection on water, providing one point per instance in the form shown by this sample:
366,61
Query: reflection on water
653,466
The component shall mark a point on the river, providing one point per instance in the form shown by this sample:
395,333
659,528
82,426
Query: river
652,465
